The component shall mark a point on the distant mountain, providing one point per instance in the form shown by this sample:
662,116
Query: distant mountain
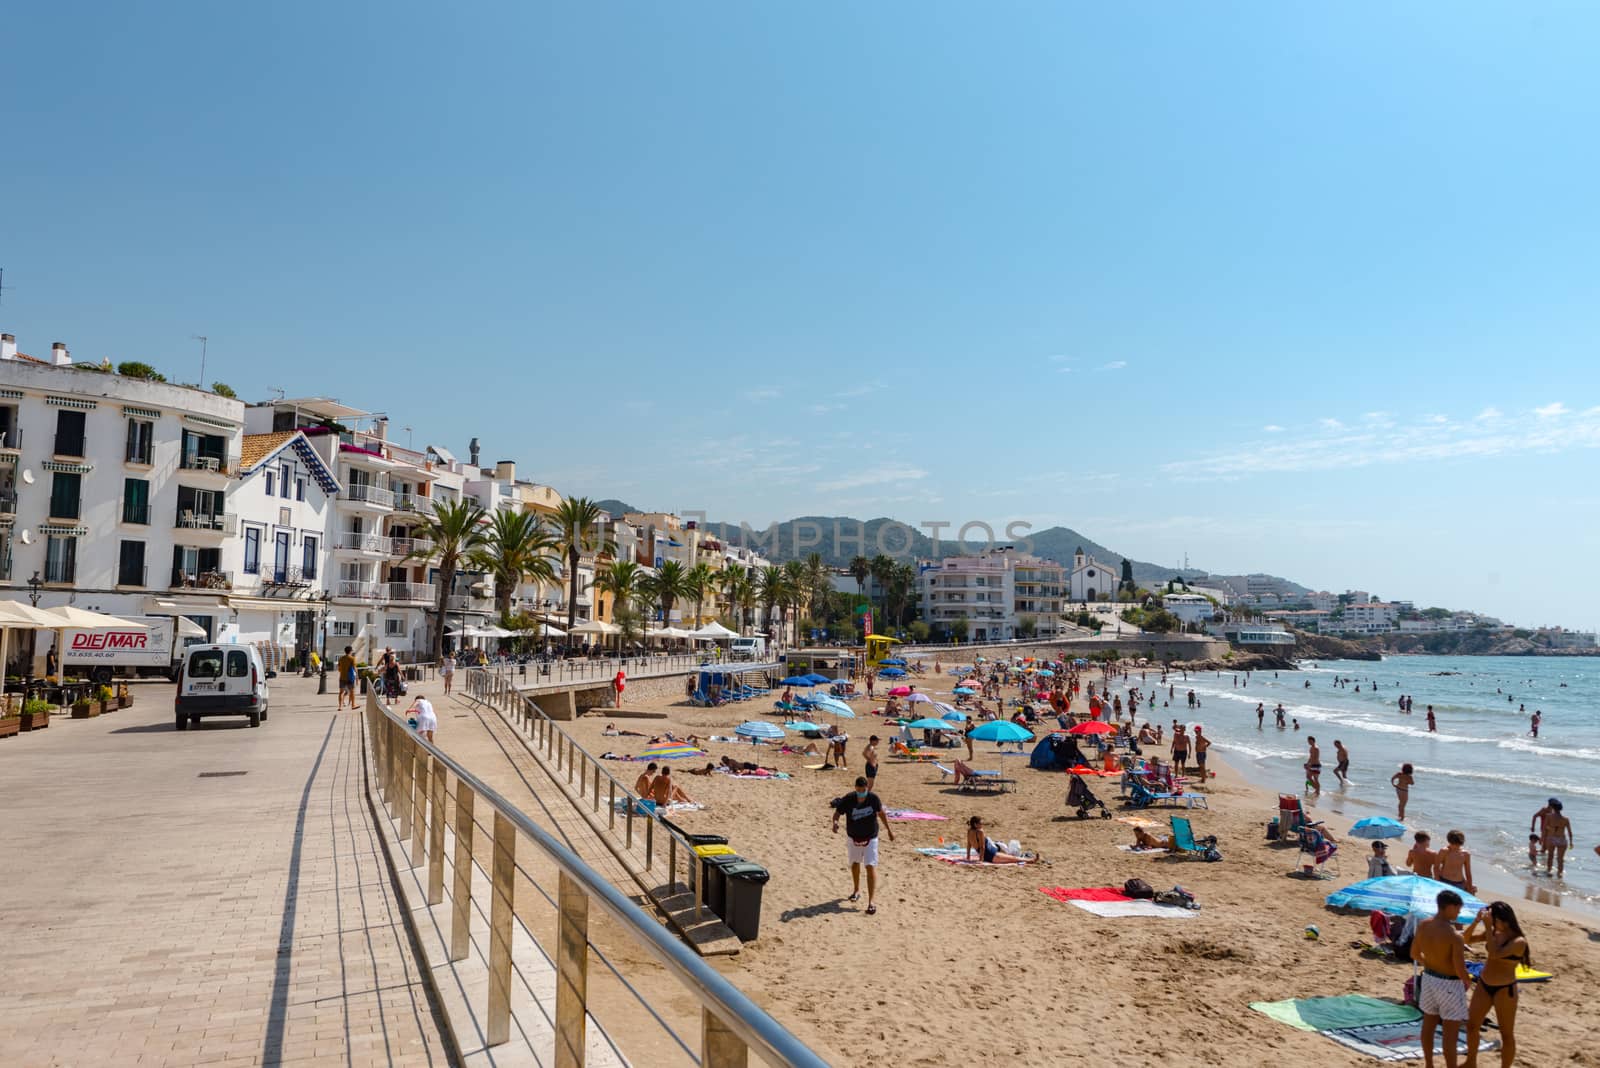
615,507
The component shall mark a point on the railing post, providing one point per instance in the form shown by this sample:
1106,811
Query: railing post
436,836
570,754
720,1047
419,801
572,974
461,898
612,791
649,843
672,860
502,873
402,798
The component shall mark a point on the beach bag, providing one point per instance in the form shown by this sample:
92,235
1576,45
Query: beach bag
1408,993
1272,830
1138,888
1212,854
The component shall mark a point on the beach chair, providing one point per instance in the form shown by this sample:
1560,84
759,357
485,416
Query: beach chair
1318,857
1184,841
1143,797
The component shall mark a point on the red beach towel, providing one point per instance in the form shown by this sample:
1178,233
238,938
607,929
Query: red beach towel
1084,893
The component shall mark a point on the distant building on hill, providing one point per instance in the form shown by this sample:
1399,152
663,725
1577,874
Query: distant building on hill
994,592
1091,580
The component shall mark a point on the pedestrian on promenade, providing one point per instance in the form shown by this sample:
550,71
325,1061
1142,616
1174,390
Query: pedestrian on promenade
422,711
345,668
447,669
863,812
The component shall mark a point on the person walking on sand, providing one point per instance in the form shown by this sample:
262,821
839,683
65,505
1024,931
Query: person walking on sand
1341,769
870,756
1444,983
1402,781
1313,766
863,812
1496,987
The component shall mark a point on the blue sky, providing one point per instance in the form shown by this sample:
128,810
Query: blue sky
1308,289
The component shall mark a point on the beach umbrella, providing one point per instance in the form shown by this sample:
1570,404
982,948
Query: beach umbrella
918,698
952,714
928,724
797,680
1377,827
802,725
834,707
1092,727
964,690
893,661
819,680
752,729
899,691
1401,895
675,751
1001,730
892,672
1047,673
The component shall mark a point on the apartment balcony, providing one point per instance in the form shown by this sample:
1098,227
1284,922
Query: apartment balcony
8,509
463,602
205,528
136,514
287,578
347,541
369,498
413,593
412,502
357,590
212,472
416,548
201,580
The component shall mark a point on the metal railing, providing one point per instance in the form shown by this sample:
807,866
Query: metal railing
417,782
195,462
555,671
201,580
413,591
408,546
217,522
364,491
134,512
360,542
359,591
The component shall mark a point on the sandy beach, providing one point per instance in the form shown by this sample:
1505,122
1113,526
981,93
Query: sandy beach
962,962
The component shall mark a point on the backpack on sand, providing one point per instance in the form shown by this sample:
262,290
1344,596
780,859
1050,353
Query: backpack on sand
1138,888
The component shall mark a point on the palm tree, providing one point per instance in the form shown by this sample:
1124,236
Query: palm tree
819,580
902,583
517,547
668,586
860,569
578,532
794,589
456,534
747,600
700,581
771,588
734,582
623,580
882,567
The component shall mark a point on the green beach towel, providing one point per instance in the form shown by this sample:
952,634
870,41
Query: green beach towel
1328,1014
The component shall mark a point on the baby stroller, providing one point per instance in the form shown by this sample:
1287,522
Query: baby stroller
1080,797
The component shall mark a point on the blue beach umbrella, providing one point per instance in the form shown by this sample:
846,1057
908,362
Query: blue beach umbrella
927,723
966,691
819,680
801,725
1402,895
753,729
1001,730
1377,827
893,661
1047,673
833,707
892,672
797,680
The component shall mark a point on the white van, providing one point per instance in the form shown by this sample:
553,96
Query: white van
754,648
220,680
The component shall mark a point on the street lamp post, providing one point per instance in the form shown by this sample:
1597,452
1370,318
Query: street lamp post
33,588
322,664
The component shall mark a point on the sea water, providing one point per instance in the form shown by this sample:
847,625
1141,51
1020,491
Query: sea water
1482,772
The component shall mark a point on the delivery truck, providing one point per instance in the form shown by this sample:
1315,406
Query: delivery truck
105,652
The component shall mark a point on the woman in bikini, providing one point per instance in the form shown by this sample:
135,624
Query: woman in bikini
984,846
1402,781
1496,986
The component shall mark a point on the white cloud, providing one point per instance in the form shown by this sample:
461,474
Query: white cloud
1063,370
874,476
1273,428
1488,414
765,393
1114,365
1336,447
1061,359
824,409
862,390
1436,420
1552,410
1330,424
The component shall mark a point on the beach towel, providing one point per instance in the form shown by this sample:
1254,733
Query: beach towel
647,807
958,855
1125,909
754,775
1140,821
1141,849
1401,1041
909,814
1525,974
1084,893
1341,1011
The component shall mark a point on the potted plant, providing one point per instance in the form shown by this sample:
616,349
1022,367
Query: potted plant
105,696
35,714
124,698
83,708
10,720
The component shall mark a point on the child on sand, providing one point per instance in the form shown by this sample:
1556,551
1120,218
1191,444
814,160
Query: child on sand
1421,859
1454,863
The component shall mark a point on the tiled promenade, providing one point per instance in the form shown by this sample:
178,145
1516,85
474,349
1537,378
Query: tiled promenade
154,913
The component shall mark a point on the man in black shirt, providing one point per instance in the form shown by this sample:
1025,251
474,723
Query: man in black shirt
862,812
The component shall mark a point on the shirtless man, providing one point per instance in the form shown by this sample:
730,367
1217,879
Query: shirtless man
1201,744
1342,768
1180,749
1444,984
1314,766
1453,864
1422,860
1556,839
646,780
870,755
664,791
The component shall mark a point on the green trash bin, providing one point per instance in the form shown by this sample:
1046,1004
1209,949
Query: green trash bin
743,881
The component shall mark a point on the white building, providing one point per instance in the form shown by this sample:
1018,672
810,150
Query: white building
114,491
993,591
1322,601
1091,580
1189,607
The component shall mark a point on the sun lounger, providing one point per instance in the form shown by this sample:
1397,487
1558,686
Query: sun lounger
1143,797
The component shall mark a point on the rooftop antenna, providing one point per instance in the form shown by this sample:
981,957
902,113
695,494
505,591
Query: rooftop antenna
276,389
2,285
202,339
408,436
